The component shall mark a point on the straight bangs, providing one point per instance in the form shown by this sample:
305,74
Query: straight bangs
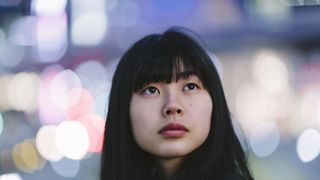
165,61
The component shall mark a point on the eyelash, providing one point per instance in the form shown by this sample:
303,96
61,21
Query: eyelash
144,91
195,86
151,90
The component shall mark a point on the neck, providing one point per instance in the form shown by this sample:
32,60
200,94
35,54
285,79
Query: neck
170,165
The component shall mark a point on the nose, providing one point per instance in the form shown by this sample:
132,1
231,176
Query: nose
172,108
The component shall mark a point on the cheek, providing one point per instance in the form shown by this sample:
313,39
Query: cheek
202,107
202,112
140,116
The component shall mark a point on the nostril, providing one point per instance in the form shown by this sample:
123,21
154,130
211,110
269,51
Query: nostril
173,111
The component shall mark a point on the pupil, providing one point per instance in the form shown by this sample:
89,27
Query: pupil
152,89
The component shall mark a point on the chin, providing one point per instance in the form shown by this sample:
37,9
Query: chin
173,153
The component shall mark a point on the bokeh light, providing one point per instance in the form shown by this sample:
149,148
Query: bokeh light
254,105
61,86
308,145
95,126
12,176
30,156
51,41
66,167
265,138
89,29
84,105
89,23
72,139
48,7
46,143
26,157
49,113
308,109
19,35
270,72
20,85
91,73
11,55
5,80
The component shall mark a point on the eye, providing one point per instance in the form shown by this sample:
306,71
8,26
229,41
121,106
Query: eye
150,90
190,87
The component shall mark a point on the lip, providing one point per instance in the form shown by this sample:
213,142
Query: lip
173,130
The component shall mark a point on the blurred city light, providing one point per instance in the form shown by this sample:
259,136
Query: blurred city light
95,126
308,145
19,35
72,139
89,22
270,72
92,74
66,167
14,88
10,55
84,105
51,41
89,29
254,105
30,156
265,138
61,86
308,108
20,85
48,7
12,176
46,143
271,10
26,157
49,113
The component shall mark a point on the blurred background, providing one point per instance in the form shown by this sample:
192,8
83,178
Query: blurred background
57,59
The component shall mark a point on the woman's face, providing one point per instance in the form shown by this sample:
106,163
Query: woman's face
171,120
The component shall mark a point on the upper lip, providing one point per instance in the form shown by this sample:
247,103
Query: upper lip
173,126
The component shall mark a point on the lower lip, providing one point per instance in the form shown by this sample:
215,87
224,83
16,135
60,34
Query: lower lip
173,133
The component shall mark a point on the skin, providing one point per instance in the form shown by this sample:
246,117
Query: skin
185,102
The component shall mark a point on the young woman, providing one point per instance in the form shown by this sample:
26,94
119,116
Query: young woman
168,117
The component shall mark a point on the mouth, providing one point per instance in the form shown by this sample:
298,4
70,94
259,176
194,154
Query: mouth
173,130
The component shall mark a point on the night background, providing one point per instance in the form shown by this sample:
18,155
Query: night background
57,58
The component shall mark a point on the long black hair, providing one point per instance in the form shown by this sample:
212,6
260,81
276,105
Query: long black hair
158,58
